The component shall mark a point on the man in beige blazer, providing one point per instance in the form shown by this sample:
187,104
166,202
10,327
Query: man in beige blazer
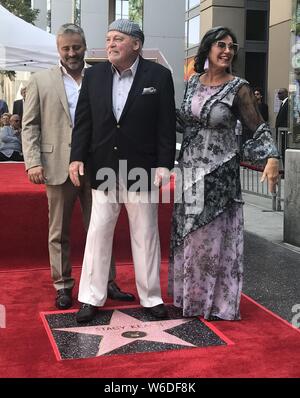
48,120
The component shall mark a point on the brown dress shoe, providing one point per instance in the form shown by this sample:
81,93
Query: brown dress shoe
63,299
115,293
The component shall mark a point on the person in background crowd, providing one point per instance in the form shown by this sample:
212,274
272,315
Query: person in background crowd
282,115
239,135
206,261
10,143
19,105
5,118
15,123
3,107
282,120
48,119
262,106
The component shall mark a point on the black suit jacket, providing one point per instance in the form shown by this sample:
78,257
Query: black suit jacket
145,135
18,108
264,111
282,116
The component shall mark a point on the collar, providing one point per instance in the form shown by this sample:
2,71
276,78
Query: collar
132,69
64,70
284,101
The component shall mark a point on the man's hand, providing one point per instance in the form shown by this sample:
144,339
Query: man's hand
36,175
271,172
76,169
162,176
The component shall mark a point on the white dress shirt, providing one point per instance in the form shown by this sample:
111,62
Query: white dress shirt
122,83
283,102
72,88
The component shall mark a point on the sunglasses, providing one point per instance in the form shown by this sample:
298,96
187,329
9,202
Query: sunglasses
231,46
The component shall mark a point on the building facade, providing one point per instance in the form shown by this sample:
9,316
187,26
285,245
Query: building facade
94,16
261,27
279,51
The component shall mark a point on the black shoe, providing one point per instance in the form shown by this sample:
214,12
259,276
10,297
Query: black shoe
212,318
86,313
63,299
159,311
115,293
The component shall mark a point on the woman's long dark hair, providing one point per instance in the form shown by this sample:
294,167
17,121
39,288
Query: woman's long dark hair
210,37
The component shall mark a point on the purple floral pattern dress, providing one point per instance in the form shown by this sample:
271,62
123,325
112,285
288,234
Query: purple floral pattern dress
206,257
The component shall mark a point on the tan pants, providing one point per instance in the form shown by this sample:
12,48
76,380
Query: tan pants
61,202
145,245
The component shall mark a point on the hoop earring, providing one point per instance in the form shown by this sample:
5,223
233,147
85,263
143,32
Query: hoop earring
206,65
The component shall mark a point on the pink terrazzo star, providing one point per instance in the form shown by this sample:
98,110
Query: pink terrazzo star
120,323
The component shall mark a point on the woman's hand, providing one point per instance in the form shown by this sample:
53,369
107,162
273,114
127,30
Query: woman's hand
271,172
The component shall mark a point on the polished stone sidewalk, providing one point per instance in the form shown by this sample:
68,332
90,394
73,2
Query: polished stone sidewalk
272,267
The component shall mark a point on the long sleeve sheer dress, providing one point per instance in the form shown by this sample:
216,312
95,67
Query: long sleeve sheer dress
206,257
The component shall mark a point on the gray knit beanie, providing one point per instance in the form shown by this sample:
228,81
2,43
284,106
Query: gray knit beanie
128,27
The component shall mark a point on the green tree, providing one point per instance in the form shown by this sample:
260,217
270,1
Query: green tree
21,8
136,11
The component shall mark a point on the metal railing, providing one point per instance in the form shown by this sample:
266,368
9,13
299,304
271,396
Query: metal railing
282,138
250,182
251,175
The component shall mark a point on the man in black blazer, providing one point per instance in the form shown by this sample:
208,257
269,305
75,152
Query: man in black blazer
282,116
18,105
125,129
282,119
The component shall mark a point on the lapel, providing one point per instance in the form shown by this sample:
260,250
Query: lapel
59,86
283,106
280,108
107,88
136,87
281,111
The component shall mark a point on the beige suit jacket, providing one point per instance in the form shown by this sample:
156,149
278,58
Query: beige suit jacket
47,126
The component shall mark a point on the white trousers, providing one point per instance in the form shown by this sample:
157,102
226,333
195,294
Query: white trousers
145,246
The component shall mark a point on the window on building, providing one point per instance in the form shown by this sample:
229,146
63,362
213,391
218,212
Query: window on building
130,9
122,9
192,3
186,34
256,25
193,31
256,69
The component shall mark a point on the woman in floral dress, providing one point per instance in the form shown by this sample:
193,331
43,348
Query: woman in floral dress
206,262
